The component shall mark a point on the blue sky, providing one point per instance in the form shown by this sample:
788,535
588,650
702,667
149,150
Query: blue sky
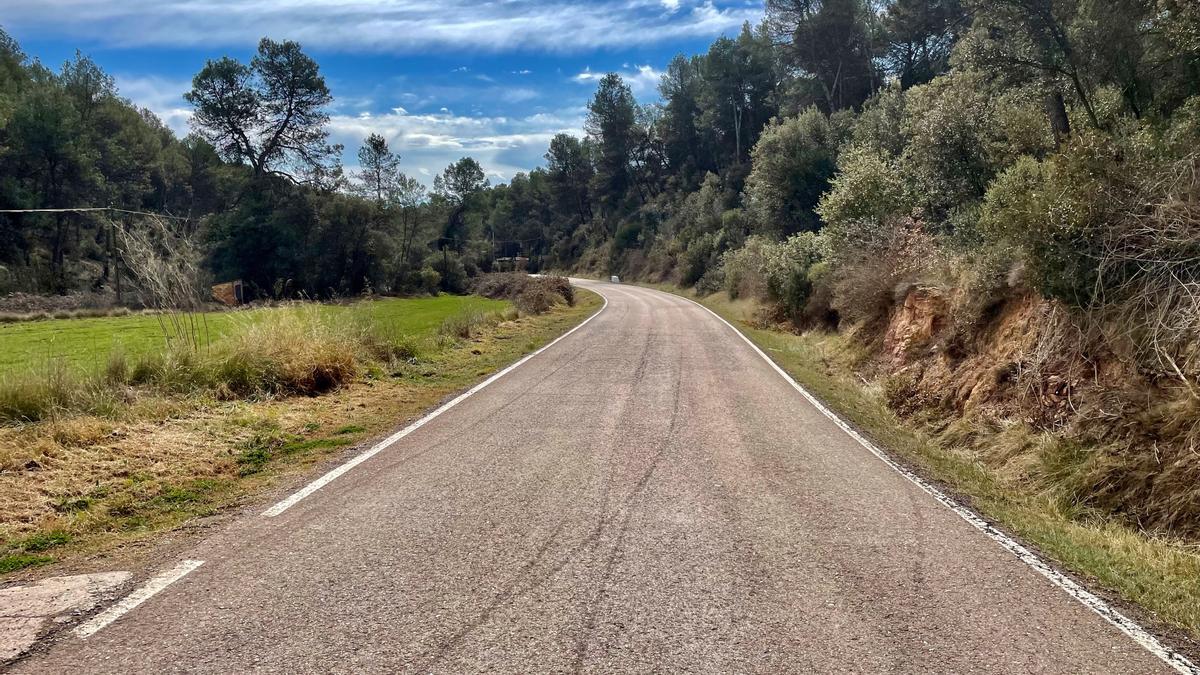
440,79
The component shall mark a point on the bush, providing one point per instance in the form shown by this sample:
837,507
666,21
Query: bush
452,274
779,272
869,187
1060,215
793,162
531,295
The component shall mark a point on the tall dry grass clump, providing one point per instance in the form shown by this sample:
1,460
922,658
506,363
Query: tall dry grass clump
287,351
292,351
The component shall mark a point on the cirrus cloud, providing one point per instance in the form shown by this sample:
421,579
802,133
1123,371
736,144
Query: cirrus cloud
389,26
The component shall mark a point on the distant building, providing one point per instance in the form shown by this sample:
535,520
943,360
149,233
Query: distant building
510,264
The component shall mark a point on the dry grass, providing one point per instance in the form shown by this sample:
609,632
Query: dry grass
86,483
298,350
531,295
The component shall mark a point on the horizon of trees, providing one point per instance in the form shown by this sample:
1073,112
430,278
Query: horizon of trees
828,132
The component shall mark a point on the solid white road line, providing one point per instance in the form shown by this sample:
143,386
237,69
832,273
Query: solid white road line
142,594
387,442
1126,625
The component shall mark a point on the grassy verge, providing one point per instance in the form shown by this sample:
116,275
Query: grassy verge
1159,575
88,484
86,344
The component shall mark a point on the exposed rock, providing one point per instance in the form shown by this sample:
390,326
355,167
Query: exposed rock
914,325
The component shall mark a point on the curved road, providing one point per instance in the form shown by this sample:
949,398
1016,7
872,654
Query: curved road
645,495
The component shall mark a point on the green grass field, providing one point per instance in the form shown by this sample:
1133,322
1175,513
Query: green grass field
86,343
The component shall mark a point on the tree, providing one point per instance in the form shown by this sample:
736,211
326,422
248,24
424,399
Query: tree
379,170
570,172
827,41
611,118
1033,39
456,185
87,86
739,80
921,34
396,197
459,181
680,89
269,114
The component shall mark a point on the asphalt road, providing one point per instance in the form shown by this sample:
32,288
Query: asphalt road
646,495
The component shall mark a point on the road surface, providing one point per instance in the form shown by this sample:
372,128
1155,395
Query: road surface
645,495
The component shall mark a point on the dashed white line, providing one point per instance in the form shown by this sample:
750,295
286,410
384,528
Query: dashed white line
1123,623
137,597
324,480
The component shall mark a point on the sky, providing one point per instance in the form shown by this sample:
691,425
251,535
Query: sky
440,79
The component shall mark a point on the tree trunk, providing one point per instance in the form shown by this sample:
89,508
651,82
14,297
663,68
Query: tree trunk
1056,111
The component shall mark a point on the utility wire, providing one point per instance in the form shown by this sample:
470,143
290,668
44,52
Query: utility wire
88,209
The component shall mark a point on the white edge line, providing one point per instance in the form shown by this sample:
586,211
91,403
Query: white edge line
333,474
1123,623
143,593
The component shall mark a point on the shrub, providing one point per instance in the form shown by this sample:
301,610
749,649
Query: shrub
531,295
869,263
1070,218
778,272
793,162
743,268
869,187
960,135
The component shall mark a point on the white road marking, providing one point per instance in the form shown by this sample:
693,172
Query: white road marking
387,442
1123,623
137,597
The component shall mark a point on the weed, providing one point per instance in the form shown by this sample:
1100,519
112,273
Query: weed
44,541
19,561
73,504
466,325
255,452
313,444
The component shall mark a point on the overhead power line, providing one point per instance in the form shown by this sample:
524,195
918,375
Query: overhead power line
89,209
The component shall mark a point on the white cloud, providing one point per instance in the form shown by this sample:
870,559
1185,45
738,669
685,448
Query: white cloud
427,143
671,5
587,75
379,25
642,80
161,96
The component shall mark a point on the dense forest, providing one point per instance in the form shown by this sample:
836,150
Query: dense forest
815,160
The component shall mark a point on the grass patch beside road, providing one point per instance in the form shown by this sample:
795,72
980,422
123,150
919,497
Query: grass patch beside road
91,484
295,349
1160,576
86,344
